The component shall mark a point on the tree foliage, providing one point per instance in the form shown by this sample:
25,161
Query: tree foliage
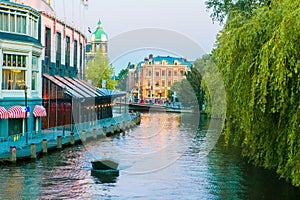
259,60
212,87
184,93
122,77
98,69
203,86
194,78
224,8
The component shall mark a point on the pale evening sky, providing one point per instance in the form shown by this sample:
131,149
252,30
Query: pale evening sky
160,22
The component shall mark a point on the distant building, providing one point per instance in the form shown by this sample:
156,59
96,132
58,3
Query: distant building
154,76
131,79
98,42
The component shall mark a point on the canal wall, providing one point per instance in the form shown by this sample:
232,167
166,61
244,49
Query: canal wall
16,147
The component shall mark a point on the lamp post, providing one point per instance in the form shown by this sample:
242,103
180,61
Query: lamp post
26,110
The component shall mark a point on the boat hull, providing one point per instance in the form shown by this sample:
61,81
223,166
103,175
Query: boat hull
105,164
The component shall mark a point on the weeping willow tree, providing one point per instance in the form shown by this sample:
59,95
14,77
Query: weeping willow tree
259,59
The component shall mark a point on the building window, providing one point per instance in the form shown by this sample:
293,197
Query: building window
157,84
175,73
149,72
163,84
13,72
48,47
67,55
75,54
175,62
21,24
169,72
181,73
4,21
33,29
12,23
80,60
19,21
169,83
58,50
163,73
157,73
35,73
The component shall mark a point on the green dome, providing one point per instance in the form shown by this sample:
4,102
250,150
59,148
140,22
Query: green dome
99,34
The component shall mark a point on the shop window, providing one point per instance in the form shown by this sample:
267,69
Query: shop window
15,126
13,72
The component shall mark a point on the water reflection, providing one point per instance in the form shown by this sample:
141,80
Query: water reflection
105,176
166,148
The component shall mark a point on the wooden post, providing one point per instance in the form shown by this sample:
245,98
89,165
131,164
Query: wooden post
112,129
138,119
32,151
124,126
44,146
94,133
103,132
83,138
13,155
118,128
129,124
72,139
59,143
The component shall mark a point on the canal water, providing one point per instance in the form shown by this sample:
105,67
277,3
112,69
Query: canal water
166,157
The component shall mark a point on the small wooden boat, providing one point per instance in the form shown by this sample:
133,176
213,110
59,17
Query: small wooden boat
105,164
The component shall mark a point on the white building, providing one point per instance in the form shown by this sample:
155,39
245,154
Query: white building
20,69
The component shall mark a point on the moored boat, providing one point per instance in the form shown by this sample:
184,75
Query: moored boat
104,164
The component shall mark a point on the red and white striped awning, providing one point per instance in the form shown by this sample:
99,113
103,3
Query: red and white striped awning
39,111
3,113
17,112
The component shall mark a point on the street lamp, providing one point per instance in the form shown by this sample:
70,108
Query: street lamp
26,110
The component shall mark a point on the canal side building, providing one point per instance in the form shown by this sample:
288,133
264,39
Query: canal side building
154,76
42,66
20,69
66,97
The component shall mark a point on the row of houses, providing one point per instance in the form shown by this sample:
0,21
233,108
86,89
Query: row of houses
42,64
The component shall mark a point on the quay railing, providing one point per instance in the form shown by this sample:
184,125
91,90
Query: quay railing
19,140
